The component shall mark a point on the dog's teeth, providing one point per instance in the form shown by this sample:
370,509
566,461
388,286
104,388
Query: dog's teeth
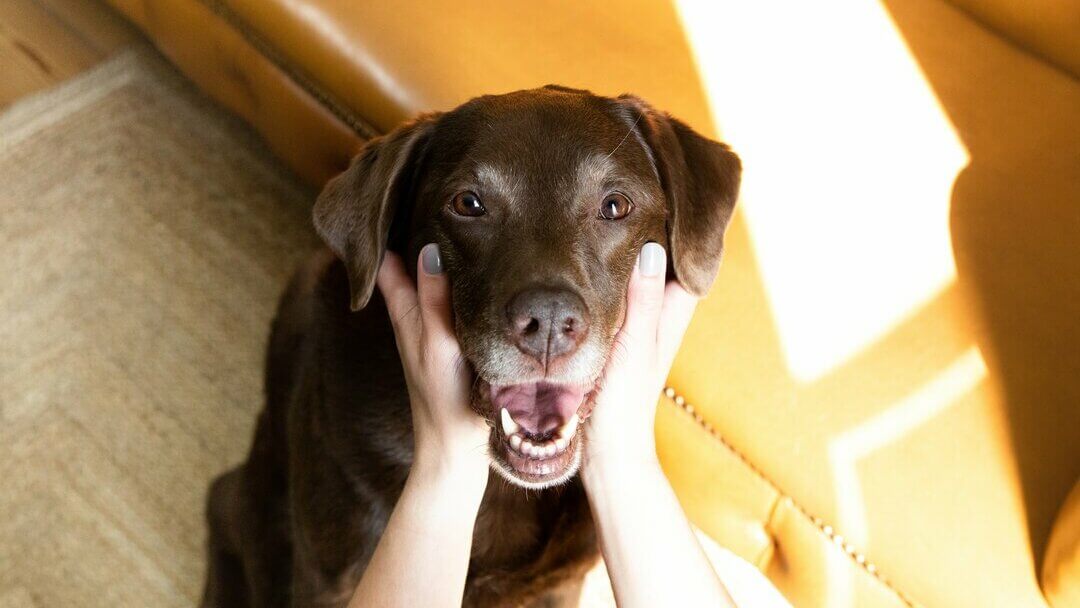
568,430
545,449
556,445
509,426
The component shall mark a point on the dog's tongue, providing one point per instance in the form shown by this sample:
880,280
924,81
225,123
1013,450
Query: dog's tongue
539,407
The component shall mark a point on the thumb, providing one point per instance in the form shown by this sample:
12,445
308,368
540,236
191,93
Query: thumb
674,320
645,296
433,296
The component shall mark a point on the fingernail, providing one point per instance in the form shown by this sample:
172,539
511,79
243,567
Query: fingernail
651,259
430,259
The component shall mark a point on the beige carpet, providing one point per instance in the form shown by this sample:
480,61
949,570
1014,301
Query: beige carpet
144,239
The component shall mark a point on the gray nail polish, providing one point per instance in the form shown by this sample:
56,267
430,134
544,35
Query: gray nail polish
651,260
430,259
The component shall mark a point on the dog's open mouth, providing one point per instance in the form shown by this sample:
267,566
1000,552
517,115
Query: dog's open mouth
538,427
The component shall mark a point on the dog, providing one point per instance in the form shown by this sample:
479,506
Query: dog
539,201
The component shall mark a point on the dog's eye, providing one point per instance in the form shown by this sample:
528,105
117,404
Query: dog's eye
615,207
467,204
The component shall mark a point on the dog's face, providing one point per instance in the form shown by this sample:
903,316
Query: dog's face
539,201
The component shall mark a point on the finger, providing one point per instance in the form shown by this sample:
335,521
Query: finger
678,310
397,290
433,294
645,296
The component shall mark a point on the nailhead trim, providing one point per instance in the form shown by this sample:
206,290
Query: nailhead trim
854,554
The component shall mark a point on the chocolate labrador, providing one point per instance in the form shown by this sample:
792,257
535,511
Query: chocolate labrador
539,201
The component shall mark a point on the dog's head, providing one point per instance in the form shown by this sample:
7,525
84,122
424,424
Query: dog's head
539,201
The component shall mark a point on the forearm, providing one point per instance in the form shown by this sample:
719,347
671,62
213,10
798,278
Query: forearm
649,548
423,555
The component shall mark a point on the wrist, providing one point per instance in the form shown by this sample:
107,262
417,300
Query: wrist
439,500
603,469
467,470
635,451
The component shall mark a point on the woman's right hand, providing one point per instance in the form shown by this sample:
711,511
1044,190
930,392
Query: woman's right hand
620,428
649,548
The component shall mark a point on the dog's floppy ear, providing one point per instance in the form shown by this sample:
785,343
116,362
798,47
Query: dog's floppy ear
355,210
700,178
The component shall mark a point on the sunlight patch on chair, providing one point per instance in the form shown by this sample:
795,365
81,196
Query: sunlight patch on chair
889,426
849,165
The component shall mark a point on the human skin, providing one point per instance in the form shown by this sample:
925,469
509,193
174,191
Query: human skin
651,553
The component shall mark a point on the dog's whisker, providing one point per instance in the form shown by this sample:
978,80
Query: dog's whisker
623,140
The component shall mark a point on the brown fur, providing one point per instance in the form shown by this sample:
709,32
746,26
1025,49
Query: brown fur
297,522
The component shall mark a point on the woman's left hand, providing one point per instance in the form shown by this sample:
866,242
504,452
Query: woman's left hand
422,558
446,430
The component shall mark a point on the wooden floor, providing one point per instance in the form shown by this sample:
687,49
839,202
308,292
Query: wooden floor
44,42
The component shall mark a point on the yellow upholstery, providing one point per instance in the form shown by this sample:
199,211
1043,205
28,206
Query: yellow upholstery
928,465
390,60
219,59
1048,28
942,448
1061,571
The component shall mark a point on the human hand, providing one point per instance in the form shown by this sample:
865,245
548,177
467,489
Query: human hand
620,429
649,547
441,497
445,430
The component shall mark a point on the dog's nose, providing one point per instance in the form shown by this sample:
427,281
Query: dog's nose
547,323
